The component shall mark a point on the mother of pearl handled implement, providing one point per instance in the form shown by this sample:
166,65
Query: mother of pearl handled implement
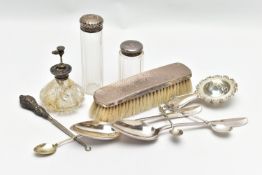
140,92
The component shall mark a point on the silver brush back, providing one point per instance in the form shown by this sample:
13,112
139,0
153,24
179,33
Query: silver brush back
140,92
141,84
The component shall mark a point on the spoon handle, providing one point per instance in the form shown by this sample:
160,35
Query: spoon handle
180,113
167,127
29,102
70,139
229,122
181,101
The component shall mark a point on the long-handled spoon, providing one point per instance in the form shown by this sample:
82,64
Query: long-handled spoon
48,149
143,131
228,124
28,102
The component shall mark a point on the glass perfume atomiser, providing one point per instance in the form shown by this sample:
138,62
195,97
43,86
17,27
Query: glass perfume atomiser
130,58
91,52
61,94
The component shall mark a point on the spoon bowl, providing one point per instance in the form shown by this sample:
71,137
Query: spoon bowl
96,130
226,125
137,129
220,128
45,149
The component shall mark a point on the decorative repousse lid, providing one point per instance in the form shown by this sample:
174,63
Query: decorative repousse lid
91,23
60,71
131,48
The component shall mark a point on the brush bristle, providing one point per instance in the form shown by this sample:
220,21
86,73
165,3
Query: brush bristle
140,104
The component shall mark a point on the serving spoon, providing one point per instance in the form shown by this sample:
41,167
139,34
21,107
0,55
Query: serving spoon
143,131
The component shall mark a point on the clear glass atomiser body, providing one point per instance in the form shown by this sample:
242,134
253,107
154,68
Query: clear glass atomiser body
62,94
131,58
91,52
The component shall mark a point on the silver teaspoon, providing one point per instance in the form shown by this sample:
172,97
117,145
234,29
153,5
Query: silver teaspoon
143,131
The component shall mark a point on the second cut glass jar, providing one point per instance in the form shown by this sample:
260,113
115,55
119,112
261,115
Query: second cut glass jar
131,57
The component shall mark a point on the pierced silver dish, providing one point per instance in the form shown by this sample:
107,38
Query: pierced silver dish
213,90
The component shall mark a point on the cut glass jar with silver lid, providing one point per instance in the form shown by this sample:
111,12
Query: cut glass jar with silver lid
91,26
62,94
130,58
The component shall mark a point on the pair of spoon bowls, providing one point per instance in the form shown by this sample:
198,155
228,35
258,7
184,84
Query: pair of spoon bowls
107,131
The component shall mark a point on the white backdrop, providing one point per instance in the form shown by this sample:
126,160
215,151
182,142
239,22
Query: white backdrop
211,37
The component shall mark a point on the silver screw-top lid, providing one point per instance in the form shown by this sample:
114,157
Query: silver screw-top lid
131,48
91,23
